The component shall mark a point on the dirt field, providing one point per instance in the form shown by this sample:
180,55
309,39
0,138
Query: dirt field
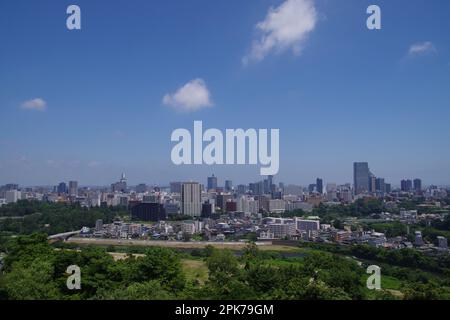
267,245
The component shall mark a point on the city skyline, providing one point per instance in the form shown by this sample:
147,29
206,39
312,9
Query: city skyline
213,182
89,104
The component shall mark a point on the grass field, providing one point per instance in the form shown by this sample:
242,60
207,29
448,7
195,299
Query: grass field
388,283
195,270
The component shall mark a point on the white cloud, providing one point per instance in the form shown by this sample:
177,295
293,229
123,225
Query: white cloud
193,96
285,27
421,48
93,164
37,104
74,163
51,163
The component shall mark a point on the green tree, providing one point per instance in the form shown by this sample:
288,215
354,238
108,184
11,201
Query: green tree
33,281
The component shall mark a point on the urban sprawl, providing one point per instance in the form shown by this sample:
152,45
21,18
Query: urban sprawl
189,211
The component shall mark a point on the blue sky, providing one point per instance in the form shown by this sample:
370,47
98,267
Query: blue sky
348,94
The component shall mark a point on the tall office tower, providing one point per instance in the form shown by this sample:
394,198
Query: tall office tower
319,185
388,187
175,187
312,187
403,185
241,189
191,200
62,188
228,185
212,183
120,186
270,180
417,185
266,187
256,188
73,188
409,185
372,183
406,185
271,185
380,186
361,177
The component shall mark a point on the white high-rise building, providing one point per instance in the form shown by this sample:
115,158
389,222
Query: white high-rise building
73,188
191,204
12,196
247,204
331,187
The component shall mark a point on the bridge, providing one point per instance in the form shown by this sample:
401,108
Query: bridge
63,236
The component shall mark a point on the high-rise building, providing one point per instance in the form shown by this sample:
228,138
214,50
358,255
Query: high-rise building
417,185
222,199
230,206
148,212
331,187
388,187
228,185
380,186
191,204
256,188
312,187
409,185
372,183
175,187
121,185
62,188
73,188
269,186
361,177
212,183
406,185
241,189
319,185
207,209
12,196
